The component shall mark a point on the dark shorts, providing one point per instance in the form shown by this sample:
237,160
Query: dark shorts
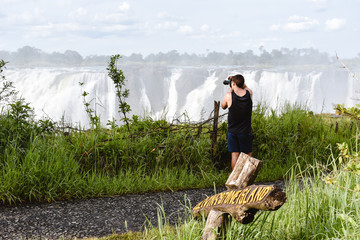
240,142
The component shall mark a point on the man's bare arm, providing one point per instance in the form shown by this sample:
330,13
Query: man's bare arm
225,102
250,91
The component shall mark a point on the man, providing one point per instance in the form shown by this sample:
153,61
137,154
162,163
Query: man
239,102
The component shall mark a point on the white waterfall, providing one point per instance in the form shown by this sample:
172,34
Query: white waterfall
170,91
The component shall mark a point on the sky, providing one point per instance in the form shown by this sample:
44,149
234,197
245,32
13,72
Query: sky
93,27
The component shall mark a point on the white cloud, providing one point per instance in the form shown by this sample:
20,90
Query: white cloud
63,27
271,39
113,16
275,27
186,29
296,24
296,18
124,7
115,28
300,24
168,25
51,29
318,1
334,24
109,17
228,35
215,35
131,22
78,13
26,17
163,15
204,27
309,44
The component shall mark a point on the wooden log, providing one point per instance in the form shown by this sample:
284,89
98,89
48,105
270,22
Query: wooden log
243,174
213,224
242,204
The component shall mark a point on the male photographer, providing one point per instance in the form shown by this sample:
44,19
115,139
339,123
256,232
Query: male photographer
239,102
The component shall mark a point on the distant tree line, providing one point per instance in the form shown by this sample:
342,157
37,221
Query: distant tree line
30,57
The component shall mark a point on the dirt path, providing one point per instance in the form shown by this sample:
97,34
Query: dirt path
95,217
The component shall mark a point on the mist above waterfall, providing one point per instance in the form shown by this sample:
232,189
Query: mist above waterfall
33,57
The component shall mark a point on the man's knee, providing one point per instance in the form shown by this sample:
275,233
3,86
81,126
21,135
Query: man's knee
235,155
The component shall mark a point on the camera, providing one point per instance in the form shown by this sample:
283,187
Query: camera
227,82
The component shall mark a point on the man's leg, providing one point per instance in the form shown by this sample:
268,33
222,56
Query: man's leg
234,158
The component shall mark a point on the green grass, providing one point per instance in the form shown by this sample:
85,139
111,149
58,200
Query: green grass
39,163
314,209
294,135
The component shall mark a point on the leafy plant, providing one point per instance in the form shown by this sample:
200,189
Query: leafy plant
348,163
7,89
122,93
353,112
93,117
21,112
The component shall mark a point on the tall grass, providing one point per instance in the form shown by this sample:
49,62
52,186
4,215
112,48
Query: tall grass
314,209
294,135
40,163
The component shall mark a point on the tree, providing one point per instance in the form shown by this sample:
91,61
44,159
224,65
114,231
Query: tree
28,55
73,57
135,57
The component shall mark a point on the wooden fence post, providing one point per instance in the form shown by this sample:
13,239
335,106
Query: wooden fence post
215,129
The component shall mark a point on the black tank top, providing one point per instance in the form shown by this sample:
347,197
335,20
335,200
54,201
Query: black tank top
239,118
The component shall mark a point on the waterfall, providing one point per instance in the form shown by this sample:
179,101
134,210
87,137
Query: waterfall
169,91
198,98
171,107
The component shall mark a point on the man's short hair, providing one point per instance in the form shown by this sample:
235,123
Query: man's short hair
238,80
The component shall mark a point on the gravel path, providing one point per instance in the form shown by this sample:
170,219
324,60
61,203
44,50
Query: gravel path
96,217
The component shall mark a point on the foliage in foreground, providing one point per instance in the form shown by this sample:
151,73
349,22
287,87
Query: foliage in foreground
317,208
40,162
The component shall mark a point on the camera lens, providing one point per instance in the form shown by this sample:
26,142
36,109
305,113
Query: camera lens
226,82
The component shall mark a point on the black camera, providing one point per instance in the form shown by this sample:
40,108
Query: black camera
227,82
